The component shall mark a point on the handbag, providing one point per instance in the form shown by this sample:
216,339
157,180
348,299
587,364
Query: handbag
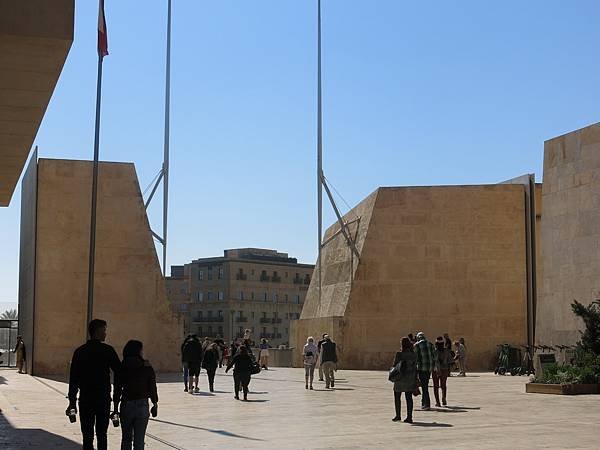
255,368
396,372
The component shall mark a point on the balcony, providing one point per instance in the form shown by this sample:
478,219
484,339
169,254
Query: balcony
241,319
208,319
241,276
265,320
276,279
264,278
276,320
297,280
306,280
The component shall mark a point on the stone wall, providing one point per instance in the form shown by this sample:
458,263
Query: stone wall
570,233
433,259
129,288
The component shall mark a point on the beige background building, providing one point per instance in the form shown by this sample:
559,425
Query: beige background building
570,233
433,259
129,287
259,289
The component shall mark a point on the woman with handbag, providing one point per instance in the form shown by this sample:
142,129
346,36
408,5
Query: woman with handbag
242,364
443,361
404,376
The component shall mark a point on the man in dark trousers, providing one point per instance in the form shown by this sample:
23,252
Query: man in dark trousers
90,375
329,361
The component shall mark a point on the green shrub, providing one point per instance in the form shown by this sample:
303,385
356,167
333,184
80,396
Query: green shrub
565,374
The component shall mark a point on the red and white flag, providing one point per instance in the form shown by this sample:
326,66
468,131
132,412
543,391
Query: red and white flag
102,35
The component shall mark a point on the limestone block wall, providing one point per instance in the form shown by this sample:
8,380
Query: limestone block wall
129,288
570,233
433,259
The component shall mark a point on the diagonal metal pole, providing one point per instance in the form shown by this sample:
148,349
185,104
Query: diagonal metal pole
319,150
92,255
166,140
343,226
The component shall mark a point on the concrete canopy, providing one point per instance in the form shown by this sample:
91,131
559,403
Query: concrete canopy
35,38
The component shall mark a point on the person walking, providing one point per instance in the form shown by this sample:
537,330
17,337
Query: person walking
20,353
135,383
184,364
221,348
264,353
329,360
242,368
461,355
441,370
309,355
407,381
425,362
90,377
319,344
192,355
210,361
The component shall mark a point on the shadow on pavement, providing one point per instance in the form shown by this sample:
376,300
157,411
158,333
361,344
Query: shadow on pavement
462,407
448,410
256,401
11,437
432,424
210,430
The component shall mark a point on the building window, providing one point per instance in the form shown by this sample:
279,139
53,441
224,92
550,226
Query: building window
264,331
220,273
296,299
183,307
275,331
252,272
241,295
275,315
199,314
220,331
210,314
200,275
286,298
209,272
240,314
221,296
209,296
252,314
286,274
241,331
200,333
210,332
275,298
264,315
265,297
307,279
199,296
252,296
220,313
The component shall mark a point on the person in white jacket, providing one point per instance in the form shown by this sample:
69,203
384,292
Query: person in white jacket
309,354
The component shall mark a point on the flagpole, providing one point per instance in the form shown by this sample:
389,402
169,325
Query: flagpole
90,302
166,140
102,52
319,149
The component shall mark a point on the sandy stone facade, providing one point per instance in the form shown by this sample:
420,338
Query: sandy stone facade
570,233
129,287
434,259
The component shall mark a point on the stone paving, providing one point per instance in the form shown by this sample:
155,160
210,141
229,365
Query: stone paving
484,411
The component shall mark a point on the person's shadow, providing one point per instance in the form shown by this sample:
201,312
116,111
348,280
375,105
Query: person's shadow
432,424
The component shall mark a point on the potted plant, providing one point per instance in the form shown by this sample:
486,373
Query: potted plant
583,375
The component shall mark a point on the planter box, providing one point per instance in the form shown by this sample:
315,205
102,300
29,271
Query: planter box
562,389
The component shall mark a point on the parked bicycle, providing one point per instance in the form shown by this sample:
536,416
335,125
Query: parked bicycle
503,355
526,367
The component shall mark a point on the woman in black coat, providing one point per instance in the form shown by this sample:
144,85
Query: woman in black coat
210,363
407,381
135,383
242,367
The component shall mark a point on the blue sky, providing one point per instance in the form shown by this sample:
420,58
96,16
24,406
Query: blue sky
415,93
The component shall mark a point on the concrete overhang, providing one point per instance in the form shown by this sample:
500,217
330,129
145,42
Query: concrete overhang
35,38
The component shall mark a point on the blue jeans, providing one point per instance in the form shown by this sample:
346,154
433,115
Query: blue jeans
134,420
424,379
186,372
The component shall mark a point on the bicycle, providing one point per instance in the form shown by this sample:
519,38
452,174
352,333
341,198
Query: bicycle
526,367
503,355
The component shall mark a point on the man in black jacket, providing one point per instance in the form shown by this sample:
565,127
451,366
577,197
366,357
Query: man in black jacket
192,355
328,361
90,376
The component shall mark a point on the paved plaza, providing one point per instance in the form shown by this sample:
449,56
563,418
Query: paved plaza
484,411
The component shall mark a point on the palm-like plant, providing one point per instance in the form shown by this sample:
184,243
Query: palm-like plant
10,314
